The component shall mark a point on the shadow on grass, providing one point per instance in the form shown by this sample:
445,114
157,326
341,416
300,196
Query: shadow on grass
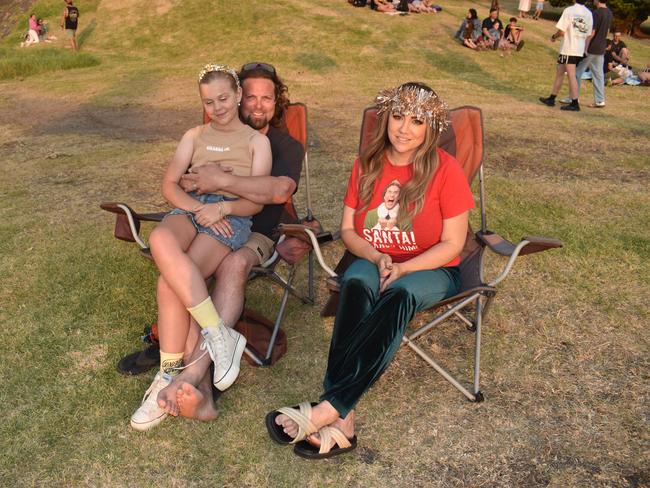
463,67
132,123
86,33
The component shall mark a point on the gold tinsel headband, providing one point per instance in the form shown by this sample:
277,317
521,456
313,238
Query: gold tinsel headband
222,68
416,102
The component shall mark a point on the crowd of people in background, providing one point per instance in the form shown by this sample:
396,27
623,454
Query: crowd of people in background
38,29
491,33
401,7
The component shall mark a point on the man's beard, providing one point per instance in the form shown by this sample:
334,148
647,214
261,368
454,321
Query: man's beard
257,123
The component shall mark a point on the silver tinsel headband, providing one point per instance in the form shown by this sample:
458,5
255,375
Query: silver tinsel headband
222,68
416,102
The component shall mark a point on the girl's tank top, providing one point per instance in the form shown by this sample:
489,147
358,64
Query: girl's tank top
227,148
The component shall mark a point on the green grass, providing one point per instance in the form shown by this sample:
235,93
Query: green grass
18,63
565,354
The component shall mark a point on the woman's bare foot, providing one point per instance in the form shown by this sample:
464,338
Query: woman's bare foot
321,415
345,425
195,404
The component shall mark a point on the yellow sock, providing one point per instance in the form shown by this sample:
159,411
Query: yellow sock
205,314
170,361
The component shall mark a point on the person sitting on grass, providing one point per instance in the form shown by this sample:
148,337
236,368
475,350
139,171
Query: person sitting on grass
492,29
193,239
388,282
512,36
469,32
382,6
32,33
616,51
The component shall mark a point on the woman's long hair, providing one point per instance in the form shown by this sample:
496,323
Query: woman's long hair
425,164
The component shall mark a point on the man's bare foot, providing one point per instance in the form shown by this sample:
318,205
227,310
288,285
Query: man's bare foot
167,396
195,404
321,415
345,425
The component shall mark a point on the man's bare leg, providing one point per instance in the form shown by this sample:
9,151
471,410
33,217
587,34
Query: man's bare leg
230,287
573,82
232,274
559,78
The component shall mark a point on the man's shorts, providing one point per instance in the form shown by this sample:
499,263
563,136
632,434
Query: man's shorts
70,33
261,245
564,59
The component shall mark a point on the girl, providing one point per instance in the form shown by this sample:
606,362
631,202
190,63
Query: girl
188,245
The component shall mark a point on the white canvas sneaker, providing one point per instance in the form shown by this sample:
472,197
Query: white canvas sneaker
225,346
150,414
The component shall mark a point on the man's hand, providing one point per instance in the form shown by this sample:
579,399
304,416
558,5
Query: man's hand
209,178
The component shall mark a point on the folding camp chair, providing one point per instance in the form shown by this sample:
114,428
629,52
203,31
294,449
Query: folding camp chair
464,140
291,250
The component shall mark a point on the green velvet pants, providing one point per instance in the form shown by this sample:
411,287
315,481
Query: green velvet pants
369,326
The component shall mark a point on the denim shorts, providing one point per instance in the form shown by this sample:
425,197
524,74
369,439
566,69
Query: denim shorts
241,226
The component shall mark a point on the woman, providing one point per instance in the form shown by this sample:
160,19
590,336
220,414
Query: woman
469,31
524,7
191,241
396,273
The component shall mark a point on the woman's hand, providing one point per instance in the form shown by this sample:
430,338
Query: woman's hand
209,214
384,265
395,272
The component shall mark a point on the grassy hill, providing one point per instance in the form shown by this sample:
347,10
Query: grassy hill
565,365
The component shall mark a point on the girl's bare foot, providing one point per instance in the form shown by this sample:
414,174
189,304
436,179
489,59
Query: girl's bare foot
195,404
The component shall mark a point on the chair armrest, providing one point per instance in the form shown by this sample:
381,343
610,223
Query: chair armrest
298,231
127,221
314,236
538,244
496,243
504,247
527,245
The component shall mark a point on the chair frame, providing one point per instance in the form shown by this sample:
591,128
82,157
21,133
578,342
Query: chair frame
478,297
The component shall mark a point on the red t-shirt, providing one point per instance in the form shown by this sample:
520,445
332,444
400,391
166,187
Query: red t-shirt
447,196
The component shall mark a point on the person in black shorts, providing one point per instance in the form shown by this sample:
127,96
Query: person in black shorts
70,21
574,26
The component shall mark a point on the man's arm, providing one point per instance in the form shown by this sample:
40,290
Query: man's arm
264,190
63,16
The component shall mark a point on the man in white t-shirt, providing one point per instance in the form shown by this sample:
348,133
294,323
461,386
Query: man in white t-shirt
574,27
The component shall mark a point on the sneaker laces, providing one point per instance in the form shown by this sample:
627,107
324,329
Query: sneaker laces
148,399
216,346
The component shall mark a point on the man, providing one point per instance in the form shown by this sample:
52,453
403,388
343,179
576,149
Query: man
492,29
616,51
70,21
595,59
264,100
574,26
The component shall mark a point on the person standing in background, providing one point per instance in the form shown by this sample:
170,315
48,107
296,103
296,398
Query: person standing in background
595,58
69,22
